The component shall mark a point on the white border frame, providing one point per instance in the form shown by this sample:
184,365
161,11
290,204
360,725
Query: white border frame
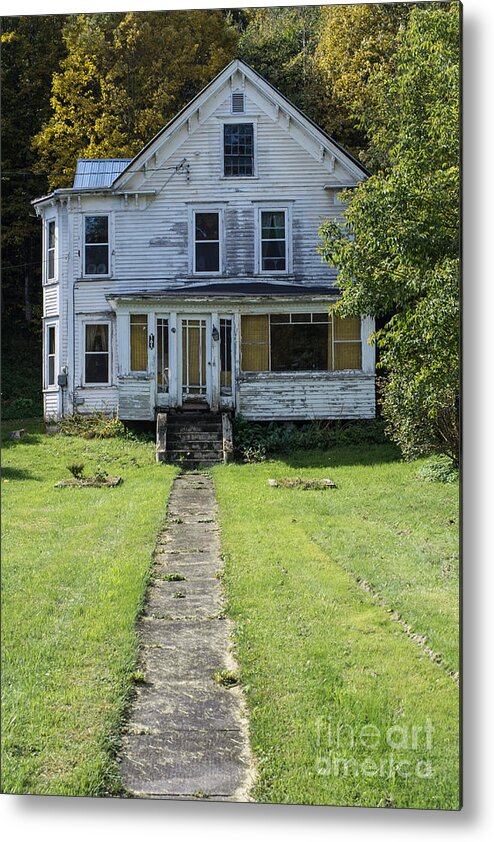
55,323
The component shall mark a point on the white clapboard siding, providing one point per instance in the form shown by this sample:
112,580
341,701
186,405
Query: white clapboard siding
96,399
51,300
134,398
299,396
51,404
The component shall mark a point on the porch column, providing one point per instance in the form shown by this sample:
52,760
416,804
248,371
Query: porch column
215,364
175,369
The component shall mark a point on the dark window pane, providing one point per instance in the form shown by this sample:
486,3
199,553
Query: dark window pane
96,260
51,235
320,317
96,229
280,318
300,317
51,263
273,225
273,255
207,226
207,257
96,368
51,340
96,338
299,347
51,371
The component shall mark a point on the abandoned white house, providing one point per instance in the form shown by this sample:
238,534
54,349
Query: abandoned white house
190,274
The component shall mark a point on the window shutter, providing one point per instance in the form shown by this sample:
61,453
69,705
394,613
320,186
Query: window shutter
238,103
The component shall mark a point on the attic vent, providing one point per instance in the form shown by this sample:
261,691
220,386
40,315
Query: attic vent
238,103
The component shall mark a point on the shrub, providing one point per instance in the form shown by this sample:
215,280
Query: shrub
254,442
94,426
76,470
441,469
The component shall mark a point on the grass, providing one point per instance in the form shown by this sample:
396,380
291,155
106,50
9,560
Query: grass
75,569
339,694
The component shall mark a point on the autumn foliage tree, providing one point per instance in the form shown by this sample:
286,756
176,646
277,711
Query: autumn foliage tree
124,77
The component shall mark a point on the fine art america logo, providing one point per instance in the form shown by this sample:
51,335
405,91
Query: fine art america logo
401,750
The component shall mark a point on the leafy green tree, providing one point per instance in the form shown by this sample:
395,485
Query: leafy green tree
124,77
398,251
280,44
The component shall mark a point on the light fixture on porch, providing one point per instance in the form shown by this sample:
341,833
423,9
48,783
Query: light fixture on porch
216,334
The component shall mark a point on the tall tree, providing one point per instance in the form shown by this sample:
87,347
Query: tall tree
280,44
124,77
357,44
32,48
402,255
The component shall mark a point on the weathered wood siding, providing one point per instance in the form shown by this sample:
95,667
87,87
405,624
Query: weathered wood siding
136,398
299,396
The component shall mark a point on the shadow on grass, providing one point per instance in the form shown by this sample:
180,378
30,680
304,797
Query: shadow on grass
17,473
341,456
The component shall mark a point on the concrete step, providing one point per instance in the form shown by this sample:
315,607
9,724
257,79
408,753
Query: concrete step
194,435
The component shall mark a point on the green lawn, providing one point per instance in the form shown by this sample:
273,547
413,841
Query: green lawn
335,686
75,565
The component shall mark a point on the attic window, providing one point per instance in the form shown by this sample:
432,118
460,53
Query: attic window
238,103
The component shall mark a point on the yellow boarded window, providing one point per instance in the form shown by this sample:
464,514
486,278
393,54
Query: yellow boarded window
347,346
255,343
138,342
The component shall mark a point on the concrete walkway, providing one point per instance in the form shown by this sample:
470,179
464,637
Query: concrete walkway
187,735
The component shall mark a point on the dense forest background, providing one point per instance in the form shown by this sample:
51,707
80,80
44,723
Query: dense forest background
382,79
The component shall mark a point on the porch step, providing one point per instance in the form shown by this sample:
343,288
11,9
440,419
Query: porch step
191,439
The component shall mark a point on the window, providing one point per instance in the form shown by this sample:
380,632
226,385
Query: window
96,245
138,342
50,250
273,241
255,343
206,241
163,379
226,356
97,354
50,355
238,149
300,342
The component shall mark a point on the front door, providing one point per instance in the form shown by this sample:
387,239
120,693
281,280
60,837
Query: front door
195,336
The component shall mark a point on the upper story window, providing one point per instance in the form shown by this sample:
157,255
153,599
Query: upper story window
273,241
238,149
50,250
206,241
96,245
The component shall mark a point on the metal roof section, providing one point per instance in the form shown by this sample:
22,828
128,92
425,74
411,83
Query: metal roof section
98,172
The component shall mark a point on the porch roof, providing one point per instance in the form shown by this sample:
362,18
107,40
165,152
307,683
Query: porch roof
231,289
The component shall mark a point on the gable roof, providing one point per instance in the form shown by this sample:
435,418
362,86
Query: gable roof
98,172
269,90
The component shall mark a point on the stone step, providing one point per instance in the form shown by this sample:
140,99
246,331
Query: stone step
194,436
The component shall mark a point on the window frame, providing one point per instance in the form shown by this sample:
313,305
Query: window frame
192,239
308,320
51,279
108,216
234,120
90,383
274,208
51,387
